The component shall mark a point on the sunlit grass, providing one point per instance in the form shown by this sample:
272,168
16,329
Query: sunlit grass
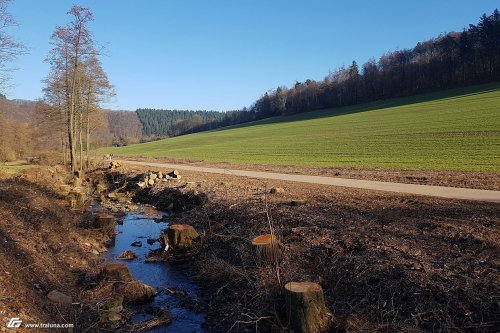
454,130
13,168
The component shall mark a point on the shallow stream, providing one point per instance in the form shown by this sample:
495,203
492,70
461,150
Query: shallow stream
139,226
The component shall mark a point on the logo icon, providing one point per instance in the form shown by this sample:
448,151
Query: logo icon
14,322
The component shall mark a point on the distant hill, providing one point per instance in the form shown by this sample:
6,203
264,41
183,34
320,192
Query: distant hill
18,109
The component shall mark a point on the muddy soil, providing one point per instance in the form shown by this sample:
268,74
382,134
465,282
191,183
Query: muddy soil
466,179
387,262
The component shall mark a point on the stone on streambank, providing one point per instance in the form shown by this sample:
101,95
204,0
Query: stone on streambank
110,311
127,255
110,317
58,297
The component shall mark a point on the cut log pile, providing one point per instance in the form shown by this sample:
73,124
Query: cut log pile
151,178
114,165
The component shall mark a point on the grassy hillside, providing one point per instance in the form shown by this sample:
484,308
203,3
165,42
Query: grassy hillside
453,130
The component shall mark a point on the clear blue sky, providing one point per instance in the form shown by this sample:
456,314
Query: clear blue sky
224,54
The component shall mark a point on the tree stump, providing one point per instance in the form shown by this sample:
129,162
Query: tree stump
306,308
277,190
106,223
136,291
267,249
116,273
64,189
180,236
76,197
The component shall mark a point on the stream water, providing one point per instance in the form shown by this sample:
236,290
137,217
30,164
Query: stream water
139,226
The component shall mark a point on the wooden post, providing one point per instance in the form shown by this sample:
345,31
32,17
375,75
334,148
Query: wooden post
105,222
180,236
306,308
267,250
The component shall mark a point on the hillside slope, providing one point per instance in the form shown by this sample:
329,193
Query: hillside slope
453,130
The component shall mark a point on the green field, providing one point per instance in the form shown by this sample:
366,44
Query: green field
453,130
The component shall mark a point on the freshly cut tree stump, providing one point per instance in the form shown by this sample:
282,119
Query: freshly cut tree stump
306,308
267,249
105,222
116,273
180,236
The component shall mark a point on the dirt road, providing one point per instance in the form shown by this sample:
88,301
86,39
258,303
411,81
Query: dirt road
433,191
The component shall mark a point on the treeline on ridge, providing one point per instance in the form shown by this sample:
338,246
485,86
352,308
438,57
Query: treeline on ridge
451,60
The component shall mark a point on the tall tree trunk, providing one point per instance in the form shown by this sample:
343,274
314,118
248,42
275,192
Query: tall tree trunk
87,141
71,142
81,141
73,102
64,150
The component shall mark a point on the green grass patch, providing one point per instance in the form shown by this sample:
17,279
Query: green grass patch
13,168
452,130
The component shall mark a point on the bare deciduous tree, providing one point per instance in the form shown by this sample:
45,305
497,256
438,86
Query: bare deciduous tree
9,47
77,84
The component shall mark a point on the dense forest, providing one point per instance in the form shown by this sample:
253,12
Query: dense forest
164,123
448,61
